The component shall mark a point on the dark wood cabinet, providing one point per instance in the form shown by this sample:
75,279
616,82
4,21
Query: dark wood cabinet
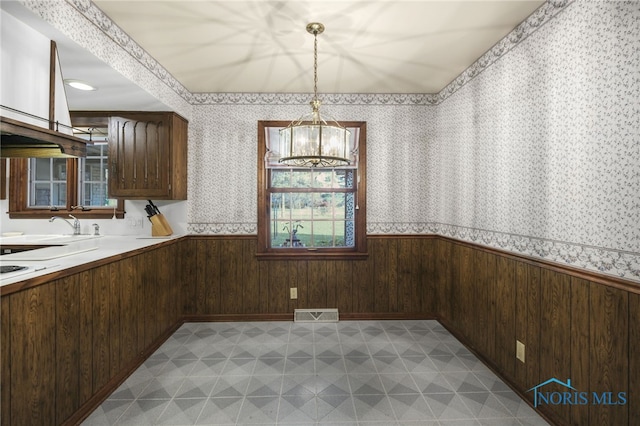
147,153
148,156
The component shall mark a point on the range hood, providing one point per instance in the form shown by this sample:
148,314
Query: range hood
24,133
23,140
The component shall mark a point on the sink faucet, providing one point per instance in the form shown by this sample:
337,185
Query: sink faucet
75,226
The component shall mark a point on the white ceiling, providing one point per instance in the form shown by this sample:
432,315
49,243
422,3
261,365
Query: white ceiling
374,46
369,46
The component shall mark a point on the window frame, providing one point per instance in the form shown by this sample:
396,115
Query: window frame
359,251
19,190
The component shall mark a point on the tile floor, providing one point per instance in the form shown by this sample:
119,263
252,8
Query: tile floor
284,373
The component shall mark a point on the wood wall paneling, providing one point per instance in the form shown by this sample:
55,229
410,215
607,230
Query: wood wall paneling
278,289
634,359
231,277
101,356
609,367
85,338
580,346
317,280
250,277
32,326
534,308
123,276
5,356
187,267
332,285
141,302
505,325
444,277
343,285
363,296
67,338
555,340
115,299
521,319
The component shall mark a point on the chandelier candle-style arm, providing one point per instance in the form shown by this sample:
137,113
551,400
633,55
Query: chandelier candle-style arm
311,141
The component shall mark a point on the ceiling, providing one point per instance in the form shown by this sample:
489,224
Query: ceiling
375,46
368,46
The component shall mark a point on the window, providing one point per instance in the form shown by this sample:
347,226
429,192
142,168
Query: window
41,187
311,212
48,180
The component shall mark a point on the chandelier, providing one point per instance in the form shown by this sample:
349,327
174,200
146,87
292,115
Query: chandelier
311,141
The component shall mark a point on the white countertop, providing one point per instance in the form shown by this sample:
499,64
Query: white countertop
67,253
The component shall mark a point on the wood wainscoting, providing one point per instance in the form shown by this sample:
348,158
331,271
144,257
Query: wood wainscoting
227,281
68,343
574,324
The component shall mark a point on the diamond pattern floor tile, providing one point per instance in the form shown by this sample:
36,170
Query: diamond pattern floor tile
350,373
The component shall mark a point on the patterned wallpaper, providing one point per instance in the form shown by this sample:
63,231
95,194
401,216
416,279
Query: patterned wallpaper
540,153
534,149
222,170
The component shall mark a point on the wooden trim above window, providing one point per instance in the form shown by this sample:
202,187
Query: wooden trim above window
357,252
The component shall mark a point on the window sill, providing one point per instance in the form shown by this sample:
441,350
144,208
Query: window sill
46,214
312,255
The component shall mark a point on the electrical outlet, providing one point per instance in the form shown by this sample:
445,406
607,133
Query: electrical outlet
293,292
520,350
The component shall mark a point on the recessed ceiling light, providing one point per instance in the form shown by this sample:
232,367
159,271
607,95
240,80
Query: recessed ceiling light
80,85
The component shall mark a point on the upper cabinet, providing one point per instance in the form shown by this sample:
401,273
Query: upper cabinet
147,154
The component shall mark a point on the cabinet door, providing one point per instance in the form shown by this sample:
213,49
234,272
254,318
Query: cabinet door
139,153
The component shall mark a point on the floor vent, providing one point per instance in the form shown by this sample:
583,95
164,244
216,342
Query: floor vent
315,315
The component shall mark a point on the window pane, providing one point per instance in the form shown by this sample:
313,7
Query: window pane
281,178
42,168
94,189
59,194
301,179
279,207
301,206
95,194
339,232
59,169
40,195
286,233
323,179
322,206
339,209
323,233
344,178
48,182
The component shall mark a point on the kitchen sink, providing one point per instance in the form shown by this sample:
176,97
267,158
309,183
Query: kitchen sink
46,238
47,246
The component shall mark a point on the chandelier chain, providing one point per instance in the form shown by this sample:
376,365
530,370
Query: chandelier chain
315,66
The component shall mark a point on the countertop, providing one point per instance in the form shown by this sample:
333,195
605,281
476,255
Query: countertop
57,258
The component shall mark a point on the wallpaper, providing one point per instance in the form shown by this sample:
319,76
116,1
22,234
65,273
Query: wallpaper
223,190
540,153
534,149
